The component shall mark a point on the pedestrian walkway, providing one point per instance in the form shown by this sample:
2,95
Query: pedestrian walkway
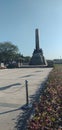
13,92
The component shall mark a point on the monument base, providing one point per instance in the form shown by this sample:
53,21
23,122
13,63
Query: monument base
38,59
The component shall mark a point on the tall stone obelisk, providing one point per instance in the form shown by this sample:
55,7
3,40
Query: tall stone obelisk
37,39
37,58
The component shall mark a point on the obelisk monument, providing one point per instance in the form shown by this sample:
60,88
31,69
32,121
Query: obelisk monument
37,57
37,39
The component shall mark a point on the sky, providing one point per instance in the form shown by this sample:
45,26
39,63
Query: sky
20,18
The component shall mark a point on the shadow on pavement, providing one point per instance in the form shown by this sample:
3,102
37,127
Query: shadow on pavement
9,86
5,112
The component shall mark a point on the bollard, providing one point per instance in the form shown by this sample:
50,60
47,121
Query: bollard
27,105
26,84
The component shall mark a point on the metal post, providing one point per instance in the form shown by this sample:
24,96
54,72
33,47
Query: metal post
27,101
27,105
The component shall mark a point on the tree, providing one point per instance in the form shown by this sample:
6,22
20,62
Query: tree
27,59
8,51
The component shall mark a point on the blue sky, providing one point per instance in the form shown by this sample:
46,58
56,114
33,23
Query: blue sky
20,18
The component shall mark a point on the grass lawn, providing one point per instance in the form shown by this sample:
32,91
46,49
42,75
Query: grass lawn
48,111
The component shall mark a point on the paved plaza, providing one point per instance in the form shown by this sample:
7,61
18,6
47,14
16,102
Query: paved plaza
13,93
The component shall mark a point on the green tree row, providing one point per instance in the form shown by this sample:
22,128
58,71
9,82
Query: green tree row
10,52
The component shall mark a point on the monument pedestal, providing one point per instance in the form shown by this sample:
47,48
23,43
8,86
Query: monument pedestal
37,59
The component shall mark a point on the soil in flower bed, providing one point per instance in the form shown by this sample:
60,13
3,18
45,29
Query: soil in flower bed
48,111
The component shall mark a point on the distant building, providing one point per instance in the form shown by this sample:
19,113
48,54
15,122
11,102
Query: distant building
57,61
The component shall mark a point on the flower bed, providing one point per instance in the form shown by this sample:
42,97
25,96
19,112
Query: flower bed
48,111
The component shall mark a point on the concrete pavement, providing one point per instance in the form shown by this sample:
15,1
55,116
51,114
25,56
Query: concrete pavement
13,93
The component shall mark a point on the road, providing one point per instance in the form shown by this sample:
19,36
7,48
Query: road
13,93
